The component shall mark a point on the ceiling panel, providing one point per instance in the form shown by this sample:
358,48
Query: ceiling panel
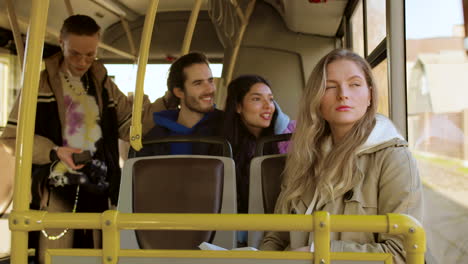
163,6
306,17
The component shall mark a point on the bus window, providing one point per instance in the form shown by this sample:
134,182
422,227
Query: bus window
357,30
376,23
381,78
9,84
3,92
155,79
437,103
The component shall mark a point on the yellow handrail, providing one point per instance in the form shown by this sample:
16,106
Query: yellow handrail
16,31
191,27
27,114
245,22
135,129
69,7
321,223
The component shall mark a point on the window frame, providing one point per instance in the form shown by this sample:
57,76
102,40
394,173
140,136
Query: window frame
376,56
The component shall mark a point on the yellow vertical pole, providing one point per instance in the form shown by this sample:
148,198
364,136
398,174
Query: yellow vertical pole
245,22
322,237
135,129
110,237
191,27
69,7
16,31
25,132
223,83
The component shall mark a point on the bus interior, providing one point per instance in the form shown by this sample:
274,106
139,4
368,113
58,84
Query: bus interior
421,78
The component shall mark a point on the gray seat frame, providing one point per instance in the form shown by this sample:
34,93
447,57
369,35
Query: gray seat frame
256,195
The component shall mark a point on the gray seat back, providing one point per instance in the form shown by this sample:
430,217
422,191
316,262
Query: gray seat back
195,187
177,184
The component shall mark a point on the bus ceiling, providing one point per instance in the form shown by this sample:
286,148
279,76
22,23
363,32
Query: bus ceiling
122,23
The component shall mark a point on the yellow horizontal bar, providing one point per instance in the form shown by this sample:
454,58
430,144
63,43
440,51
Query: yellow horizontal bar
34,220
148,253
73,221
216,222
360,256
358,223
154,253
146,221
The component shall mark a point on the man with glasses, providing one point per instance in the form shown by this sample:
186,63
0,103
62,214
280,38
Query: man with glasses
80,116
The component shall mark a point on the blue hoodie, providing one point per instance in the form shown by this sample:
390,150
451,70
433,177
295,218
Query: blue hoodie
168,119
166,125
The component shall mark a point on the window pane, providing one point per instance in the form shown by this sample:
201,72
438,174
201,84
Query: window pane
10,76
357,30
3,94
155,78
437,81
376,23
381,79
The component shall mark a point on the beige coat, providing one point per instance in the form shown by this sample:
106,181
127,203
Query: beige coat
50,87
391,184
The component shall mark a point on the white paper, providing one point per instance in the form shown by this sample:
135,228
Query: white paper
208,246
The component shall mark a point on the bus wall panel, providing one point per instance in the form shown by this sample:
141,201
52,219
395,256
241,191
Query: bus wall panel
284,57
280,68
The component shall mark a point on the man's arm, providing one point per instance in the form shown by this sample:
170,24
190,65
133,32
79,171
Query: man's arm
42,145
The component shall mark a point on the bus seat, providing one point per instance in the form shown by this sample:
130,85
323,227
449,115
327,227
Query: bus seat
224,150
177,184
265,180
265,186
264,143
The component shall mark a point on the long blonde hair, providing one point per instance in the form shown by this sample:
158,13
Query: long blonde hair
313,164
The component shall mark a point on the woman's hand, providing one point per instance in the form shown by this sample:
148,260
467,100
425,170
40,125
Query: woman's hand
65,155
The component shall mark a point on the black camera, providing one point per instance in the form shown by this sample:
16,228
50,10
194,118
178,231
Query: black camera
82,158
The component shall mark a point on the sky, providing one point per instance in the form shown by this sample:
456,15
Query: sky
432,18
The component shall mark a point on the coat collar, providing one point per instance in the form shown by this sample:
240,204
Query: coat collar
383,134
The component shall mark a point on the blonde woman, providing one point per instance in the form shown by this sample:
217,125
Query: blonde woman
346,159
